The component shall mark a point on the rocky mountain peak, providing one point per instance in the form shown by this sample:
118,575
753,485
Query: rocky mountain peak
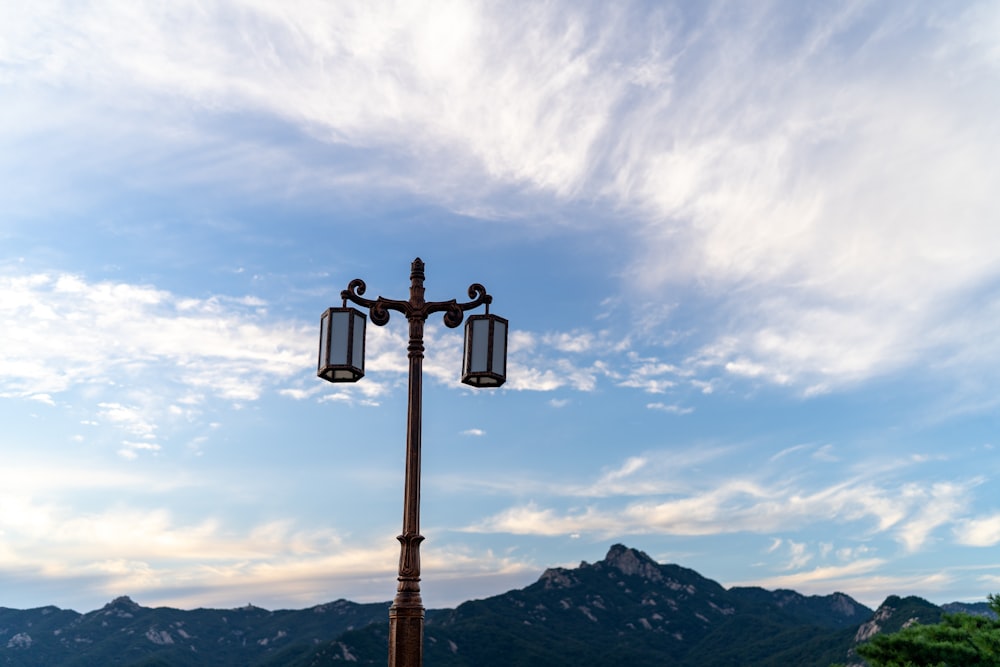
122,607
557,577
897,613
843,604
124,603
632,562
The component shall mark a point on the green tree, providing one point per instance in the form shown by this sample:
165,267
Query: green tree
959,640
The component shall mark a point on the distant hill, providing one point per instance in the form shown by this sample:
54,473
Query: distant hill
624,610
628,610
124,633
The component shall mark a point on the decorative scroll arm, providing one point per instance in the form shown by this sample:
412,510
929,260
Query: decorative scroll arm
454,312
378,308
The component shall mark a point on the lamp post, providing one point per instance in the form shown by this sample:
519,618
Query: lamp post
341,359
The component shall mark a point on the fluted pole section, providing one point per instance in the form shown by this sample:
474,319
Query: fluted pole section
406,616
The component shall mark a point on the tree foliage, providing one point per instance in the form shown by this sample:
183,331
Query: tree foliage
959,640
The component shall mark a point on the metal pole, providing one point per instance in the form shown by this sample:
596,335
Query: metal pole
406,616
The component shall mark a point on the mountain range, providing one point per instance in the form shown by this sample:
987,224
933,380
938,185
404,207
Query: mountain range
624,610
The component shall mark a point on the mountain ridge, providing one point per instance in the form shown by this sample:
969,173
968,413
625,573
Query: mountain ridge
624,609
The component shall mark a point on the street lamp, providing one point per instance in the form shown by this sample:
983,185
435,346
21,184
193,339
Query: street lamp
341,359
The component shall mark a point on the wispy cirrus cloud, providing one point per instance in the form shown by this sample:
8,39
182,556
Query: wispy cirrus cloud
836,201
656,494
863,577
164,559
824,223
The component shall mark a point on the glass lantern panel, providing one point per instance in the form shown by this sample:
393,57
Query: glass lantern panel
340,321
467,348
324,328
499,365
478,357
358,353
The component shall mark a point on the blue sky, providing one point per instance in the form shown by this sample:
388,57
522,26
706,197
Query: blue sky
748,252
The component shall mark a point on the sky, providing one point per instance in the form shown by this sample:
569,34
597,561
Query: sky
748,253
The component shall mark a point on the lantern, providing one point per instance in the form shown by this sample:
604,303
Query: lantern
485,363
342,345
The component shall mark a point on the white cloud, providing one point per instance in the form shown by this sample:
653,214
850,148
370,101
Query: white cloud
359,73
130,450
141,360
820,578
531,519
789,450
798,555
47,480
833,196
941,504
656,494
826,453
135,335
575,342
839,221
128,418
862,578
632,465
300,394
672,409
153,554
983,531
540,363
813,186
138,334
